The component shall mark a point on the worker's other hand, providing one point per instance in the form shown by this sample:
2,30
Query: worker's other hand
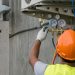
42,34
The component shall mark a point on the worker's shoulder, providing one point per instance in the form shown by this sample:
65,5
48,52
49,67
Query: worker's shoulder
58,66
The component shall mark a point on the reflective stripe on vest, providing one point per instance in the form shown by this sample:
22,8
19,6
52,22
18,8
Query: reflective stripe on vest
59,69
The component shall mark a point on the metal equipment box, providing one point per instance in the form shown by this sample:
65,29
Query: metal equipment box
39,8
28,3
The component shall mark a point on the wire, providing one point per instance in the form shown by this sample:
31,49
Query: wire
53,42
54,57
24,31
34,28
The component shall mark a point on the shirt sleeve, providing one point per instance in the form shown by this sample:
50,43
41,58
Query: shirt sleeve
39,68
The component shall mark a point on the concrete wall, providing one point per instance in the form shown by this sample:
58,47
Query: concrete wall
4,48
0,1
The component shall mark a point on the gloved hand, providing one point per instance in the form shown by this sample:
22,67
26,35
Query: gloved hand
42,34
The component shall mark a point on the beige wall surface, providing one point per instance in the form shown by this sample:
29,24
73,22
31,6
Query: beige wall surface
0,1
4,48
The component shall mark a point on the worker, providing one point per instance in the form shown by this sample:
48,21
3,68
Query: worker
65,49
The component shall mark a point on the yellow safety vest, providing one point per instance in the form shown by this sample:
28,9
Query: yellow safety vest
59,69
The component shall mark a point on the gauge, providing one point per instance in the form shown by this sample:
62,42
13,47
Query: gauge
61,23
53,22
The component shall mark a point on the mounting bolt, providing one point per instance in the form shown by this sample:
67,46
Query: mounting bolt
48,8
65,10
57,9
72,11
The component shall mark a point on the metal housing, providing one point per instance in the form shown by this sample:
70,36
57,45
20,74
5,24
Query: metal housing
42,8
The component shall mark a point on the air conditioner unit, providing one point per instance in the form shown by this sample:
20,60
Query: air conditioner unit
42,8
3,9
28,3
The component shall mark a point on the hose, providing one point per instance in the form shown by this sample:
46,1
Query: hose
34,28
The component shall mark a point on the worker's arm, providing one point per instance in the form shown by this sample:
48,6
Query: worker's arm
33,57
34,53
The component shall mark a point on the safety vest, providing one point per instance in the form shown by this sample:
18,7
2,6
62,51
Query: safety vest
59,69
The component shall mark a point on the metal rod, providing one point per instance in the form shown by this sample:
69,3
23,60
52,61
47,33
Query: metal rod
55,30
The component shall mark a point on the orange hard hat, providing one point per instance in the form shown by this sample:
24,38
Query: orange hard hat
66,45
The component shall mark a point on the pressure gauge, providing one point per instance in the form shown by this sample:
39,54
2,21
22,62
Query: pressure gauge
61,23
53,22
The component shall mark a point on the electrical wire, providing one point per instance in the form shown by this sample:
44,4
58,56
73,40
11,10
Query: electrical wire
53,43
34,28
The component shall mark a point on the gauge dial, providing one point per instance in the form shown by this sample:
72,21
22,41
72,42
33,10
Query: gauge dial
53,22
61,23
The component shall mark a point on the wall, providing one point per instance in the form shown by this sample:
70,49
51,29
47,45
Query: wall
4,48
0,1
